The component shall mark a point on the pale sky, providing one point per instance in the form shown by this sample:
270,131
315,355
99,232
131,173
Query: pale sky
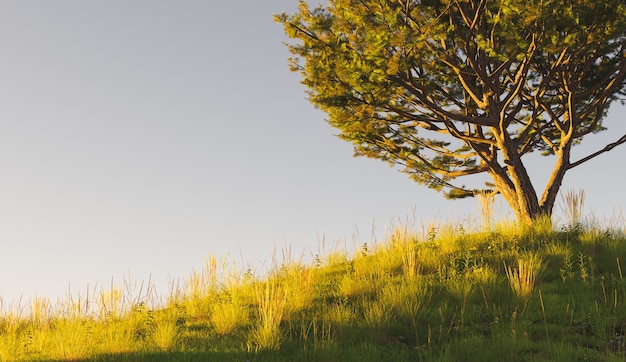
140,137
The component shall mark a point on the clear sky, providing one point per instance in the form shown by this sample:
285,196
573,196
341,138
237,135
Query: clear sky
139,137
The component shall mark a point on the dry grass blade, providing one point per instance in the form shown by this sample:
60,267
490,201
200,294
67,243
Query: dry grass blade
573,209
522,279
271,304
486,201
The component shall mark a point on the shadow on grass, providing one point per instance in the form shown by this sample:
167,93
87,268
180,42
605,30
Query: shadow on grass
335,354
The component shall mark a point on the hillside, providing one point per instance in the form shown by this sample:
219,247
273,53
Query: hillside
514,294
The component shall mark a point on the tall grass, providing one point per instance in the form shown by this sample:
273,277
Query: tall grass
523,277
266,334
486,201
511,293
573,209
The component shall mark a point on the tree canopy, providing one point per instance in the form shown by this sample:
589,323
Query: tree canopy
448,88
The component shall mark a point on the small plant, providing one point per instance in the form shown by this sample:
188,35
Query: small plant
116,335
594,234
432,232
410,260
165,334
573,209
322,335
297,283
227,316
340,314
376,314
522,279
485,202
271,303
70,340
460,286
317,334
584,267
567,270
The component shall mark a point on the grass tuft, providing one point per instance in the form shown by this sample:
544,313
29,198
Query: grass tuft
266,334
523,277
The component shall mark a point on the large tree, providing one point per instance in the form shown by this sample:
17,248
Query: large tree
449,88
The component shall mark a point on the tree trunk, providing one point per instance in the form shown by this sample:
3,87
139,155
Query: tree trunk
514,182
522,199
556,179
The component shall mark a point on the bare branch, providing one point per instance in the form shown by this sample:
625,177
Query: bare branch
608,147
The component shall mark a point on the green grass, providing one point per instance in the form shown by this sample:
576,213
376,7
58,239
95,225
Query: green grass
515,294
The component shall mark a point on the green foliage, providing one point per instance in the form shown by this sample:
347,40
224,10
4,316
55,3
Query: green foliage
445,89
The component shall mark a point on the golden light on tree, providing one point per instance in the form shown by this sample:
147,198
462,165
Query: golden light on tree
446,89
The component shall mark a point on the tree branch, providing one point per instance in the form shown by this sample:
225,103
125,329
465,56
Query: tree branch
608,147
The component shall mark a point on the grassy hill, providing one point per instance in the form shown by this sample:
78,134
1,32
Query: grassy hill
511,294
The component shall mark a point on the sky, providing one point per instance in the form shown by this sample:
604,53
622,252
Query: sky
138,137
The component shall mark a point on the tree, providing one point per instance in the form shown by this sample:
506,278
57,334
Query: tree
451,88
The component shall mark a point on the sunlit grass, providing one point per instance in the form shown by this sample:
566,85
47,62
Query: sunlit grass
165,334
453,290
573,209
267,334
228,316
523,276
